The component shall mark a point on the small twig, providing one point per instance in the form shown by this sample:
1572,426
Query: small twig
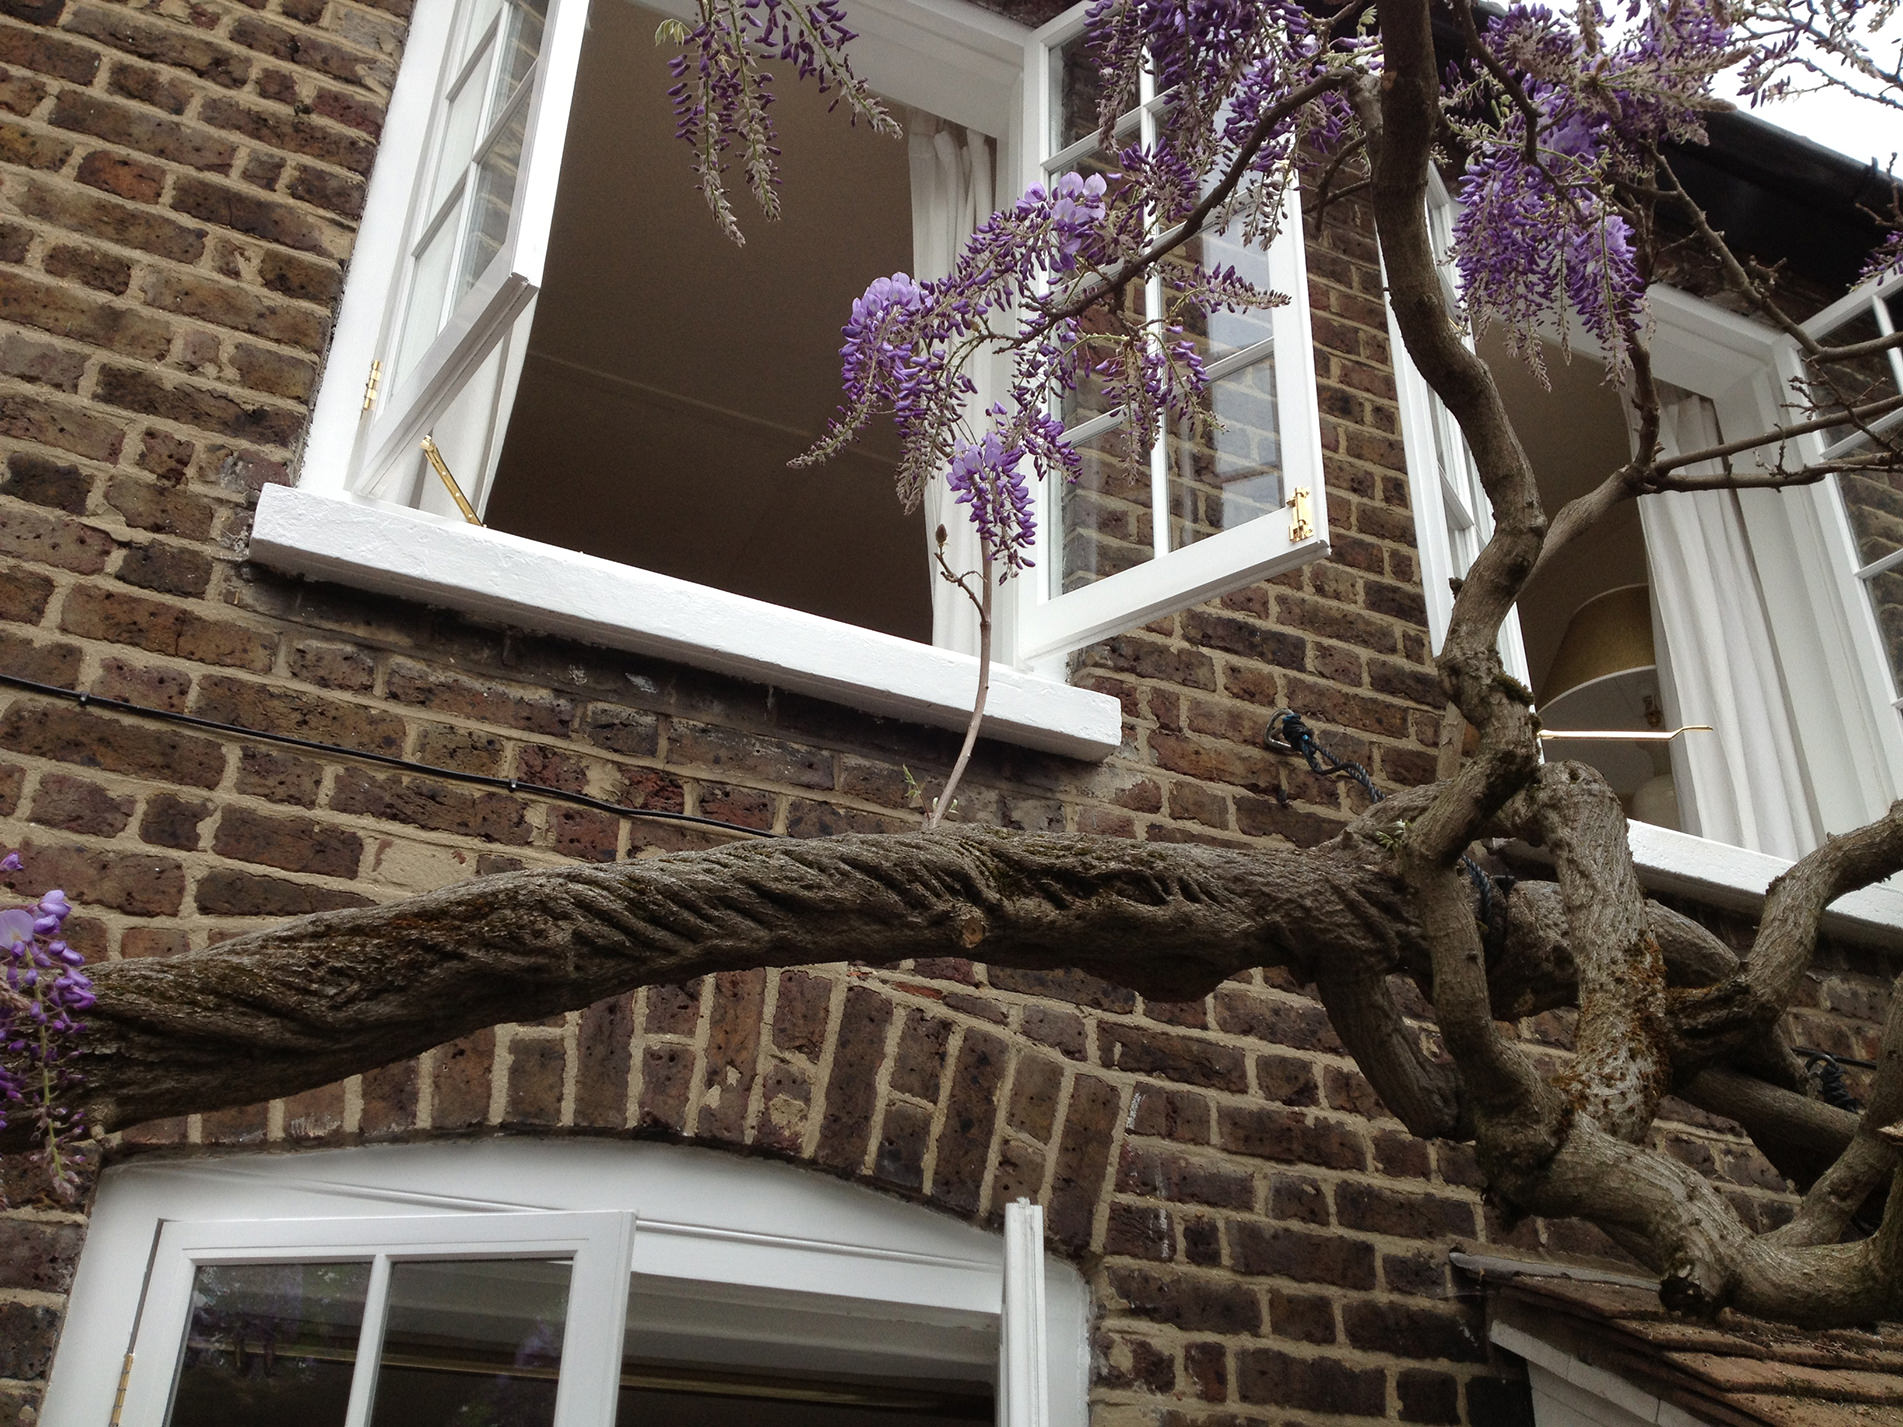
942,804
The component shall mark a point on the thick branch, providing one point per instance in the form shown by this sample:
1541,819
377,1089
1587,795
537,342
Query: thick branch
328,996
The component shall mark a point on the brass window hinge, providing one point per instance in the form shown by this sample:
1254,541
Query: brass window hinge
370,385
1301,518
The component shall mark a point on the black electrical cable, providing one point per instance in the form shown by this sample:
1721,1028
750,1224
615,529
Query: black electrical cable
1288,731
388,760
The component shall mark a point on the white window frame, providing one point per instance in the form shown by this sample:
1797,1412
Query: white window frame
1453,519
667,1212
947,58
1051,626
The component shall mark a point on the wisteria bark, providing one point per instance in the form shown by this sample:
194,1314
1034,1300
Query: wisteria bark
1559,129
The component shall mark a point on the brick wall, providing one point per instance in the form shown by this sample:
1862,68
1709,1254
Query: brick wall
178,186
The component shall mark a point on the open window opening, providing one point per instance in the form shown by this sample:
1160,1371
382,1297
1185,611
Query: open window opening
642,398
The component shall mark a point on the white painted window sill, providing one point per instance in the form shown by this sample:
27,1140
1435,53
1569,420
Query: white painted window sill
1737,878
391,550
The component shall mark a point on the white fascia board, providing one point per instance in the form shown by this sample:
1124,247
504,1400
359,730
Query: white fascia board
1737,878
1623,1402
491,575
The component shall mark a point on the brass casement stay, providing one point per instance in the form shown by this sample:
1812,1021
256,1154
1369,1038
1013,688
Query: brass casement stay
371,383
119,1401
1301,518
441,467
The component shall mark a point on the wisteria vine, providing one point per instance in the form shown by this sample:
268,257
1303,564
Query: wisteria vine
42,995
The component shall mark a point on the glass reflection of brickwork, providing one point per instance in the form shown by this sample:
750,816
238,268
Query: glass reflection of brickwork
1873,500
1212,477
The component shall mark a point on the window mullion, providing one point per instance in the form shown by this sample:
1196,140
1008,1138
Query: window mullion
1152,335
363,1382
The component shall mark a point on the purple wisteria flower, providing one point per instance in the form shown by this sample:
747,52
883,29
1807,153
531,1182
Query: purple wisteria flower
43,992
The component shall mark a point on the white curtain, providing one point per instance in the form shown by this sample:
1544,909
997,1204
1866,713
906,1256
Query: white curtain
1742,784
953,191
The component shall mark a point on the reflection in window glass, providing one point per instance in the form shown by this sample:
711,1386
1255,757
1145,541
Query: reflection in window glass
270,1345
472,1344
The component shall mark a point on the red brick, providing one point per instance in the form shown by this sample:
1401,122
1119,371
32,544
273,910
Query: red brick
20,93
23,595
168,569
603,1059
29,148
426,803
732,1048
898,1159
140,129
1380,1210
1170,1175
161,40
301,47
291,844
48,539
91,739
77,805
131,882
46,53
667,1073
390,1096
459,1081
172,821
227,892
919,1063
122,176
1036,1084
533,1095
67,428
230,305
430,687
151,86
1275,1251
202,407
280,776
846,1121
801,1011
1075,987
303,715
90,267
274,220
971,1112
1185,1059
1405,1331
124,618
735,752
1198,1303
111,221
39,481
39,1256
1301,1317
1086,1144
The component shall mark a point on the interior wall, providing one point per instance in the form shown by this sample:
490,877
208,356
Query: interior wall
671,375
1574,431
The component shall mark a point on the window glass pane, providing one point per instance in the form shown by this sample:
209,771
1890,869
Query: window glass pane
462,126
493,199
472,1344
1076,93
423,314
1233,472
520,45
1886,598
1105,520
482,14
1851,383
1217,334
270,1344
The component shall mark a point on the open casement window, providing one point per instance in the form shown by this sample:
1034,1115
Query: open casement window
1453,519
458,1283
1142,532
1872,503
473,248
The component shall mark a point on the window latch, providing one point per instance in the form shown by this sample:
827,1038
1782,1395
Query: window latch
1301,514
441,467
371,383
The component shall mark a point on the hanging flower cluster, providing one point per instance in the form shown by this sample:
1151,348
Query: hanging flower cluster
1538,235
42,994
722,92
908,343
